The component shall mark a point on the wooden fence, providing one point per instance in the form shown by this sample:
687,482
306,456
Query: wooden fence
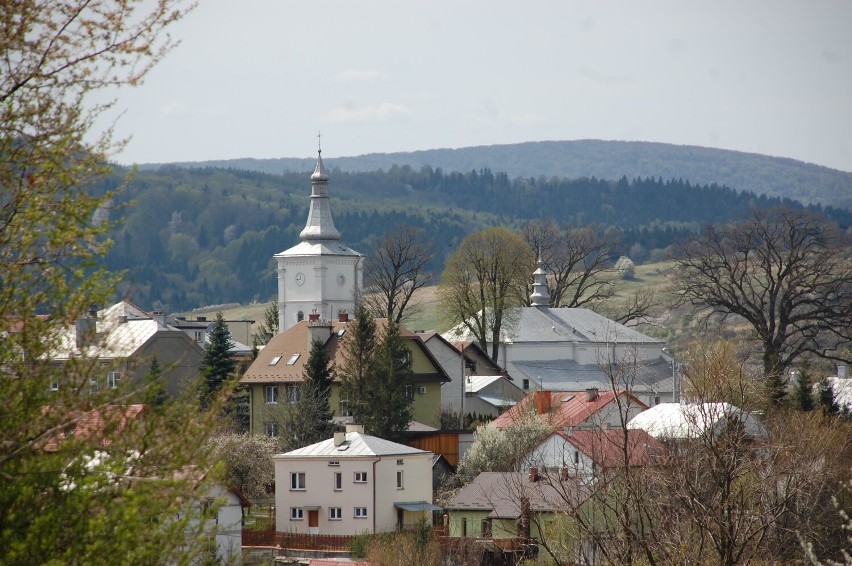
297,541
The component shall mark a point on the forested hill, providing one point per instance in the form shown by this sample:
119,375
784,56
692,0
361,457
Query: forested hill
761,174
201,236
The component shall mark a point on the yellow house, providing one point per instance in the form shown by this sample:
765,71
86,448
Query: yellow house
274,377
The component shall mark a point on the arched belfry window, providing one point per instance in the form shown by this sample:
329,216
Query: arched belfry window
300,316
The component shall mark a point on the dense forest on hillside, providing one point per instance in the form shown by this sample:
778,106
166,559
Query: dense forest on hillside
201,236
760,174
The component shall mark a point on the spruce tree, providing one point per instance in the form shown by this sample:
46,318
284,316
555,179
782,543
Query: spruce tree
360,345
217,365
804,394
826,398
313,411
386,411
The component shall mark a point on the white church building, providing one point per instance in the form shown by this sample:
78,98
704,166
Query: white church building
319,275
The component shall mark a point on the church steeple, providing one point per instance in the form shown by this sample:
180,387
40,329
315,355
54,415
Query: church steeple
540,296
320,224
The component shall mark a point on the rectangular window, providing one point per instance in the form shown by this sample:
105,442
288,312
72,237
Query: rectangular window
399,482
334,462
275,360
271,429
113,378
360,477
270,394
296,514
199,336
409,391
93,385
400,462
297,481
338,481
335,513
526,383
360,512
294,393
54,385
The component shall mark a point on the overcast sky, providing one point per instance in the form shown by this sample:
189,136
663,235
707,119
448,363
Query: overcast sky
260,78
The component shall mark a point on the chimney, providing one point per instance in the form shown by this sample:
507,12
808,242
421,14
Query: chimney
159,317
85,327
352,427
318,329
339,437
343,316
122,319
542,402
564,473
314,316
533,474
569,431
841,371
591,393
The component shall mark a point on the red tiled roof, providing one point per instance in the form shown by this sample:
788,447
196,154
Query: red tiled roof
560,408
606,447
102,424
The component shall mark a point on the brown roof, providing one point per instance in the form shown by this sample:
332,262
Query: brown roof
294,342
500,493
561,408
606,447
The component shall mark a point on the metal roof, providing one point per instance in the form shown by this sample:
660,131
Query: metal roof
546,324
355,445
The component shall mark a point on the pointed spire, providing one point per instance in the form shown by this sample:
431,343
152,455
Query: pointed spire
320,224
540,296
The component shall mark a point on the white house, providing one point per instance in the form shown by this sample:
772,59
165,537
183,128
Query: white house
565,349
350,484
320,274
228,526
585,451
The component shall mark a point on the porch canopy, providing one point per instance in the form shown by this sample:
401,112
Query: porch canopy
415,506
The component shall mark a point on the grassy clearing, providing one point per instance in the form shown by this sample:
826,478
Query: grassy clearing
649,277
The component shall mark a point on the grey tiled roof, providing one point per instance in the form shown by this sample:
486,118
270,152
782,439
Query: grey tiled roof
500,493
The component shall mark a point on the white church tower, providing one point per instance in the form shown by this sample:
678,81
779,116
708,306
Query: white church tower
319,275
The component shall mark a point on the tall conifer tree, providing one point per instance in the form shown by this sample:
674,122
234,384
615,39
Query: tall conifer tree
217,366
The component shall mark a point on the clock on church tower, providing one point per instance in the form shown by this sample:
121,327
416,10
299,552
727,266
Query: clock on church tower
319,274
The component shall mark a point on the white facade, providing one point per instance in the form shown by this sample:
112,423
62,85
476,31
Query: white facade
319,275
351,484
556,453
229,524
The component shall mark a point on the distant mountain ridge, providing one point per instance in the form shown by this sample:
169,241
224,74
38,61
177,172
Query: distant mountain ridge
761,174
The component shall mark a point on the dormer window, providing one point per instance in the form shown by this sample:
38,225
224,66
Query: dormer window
275,360
293,359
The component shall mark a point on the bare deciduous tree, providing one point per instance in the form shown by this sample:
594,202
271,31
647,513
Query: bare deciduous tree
578,259
781,271
395,271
